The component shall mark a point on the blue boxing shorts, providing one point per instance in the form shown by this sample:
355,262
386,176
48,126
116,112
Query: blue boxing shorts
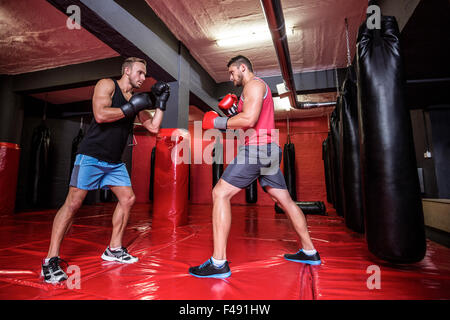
90,173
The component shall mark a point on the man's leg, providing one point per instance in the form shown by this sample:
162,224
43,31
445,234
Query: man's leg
307,254
222,194
214,268
116,251
63,219
126,198
51,270
295,214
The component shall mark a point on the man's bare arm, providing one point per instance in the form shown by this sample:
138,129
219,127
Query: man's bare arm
101,102
152,124
254,94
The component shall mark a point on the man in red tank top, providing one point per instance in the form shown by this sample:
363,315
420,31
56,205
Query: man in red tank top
258,158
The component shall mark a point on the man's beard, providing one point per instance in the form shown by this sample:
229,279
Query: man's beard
135,84
238,82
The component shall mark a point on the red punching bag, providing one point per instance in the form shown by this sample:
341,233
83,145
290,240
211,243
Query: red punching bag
171,180
9,168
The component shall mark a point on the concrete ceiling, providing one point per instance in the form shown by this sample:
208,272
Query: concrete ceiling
317,42
34,36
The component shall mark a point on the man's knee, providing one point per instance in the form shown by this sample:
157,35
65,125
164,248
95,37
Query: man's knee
281,198
219,192
74,203
128,200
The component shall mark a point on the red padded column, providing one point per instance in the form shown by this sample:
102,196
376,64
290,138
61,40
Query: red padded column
9,168
170,204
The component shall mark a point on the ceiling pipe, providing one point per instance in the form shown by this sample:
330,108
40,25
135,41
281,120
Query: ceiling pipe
308,105
275,19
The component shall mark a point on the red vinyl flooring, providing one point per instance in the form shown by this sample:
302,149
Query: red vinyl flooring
258,239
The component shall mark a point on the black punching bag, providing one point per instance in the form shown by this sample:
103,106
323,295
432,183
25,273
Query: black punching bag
251,192
392,205
326,168
289,168
75,142
335,157
330,168
152,174
38,178
217,165
351,171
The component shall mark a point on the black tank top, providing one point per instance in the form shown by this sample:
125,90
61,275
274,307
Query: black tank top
106,141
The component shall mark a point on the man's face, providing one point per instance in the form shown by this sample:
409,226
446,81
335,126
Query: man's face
236,75
136,74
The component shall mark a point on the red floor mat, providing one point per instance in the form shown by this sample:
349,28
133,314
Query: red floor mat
258,240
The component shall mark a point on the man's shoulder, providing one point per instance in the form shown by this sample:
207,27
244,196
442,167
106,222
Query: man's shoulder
255,84
105,85
106,82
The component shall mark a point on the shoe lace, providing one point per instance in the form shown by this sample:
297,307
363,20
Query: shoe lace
124,252
205,264
54,264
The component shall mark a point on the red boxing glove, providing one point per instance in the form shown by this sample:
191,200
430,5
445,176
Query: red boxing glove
229,105
208,120
211,120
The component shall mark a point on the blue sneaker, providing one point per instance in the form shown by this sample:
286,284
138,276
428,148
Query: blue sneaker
302,257
209,270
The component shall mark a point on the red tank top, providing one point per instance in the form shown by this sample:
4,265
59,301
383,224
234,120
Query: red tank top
264,130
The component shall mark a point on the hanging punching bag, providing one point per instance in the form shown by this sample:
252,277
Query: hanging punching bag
335,137
326,169
289,168
38,178
75,142
392,205
330,167
9,169
351,172
152,174
217,165
251,192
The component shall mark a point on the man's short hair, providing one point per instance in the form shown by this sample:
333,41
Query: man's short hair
128,63
238,60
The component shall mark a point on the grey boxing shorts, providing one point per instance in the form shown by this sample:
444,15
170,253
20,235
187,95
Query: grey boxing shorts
256,162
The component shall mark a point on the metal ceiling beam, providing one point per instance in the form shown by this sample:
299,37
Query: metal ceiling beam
67,77
97,18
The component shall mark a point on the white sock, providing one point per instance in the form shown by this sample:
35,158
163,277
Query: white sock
46,260
115,249
310,252
218,263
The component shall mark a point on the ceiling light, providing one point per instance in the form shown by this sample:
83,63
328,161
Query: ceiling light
245,38
260,35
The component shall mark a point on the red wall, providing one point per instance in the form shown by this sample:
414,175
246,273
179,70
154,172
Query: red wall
307,135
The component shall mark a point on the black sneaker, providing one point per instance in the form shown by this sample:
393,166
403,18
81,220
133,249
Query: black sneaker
52,272
120,255
302,257
209,270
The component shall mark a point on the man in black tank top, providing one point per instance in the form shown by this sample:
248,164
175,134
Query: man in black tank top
98,163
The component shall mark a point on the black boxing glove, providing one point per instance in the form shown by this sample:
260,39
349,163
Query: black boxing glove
161,90
138,102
